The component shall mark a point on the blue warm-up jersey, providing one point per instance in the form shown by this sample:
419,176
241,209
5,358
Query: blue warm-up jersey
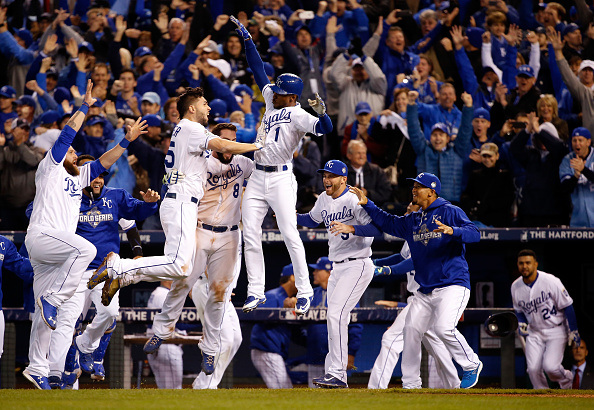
98,219
274,338
438,258
12,261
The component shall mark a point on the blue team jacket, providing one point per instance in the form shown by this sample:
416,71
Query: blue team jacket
11,260
317,334
438,258
98,219
272,338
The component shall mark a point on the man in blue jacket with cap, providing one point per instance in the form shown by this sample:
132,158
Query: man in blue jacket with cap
436,235
270,342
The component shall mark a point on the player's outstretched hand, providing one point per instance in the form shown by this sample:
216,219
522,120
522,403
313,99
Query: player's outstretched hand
382,270
360,195
574,337
318,105
443,228
523,329
137,129
241,30
338,228
88,95
150,196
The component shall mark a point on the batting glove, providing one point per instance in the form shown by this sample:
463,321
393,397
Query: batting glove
382,270
523,329
574,337
241,30
260,138
173,177
318,105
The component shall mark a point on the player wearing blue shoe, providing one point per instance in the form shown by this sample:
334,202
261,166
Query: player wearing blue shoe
273,184
349,240
436,235
58,255
102,213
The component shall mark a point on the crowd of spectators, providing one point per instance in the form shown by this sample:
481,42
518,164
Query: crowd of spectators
495,97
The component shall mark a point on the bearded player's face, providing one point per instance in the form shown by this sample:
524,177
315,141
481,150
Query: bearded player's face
228,135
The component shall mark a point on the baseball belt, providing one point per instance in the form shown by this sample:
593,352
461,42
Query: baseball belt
173,195
219,228
350,259
272,168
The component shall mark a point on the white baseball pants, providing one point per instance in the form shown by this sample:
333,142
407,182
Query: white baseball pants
439,310
179,218
168,366
392,344
69,312
230,335
62,257
346,285
59,260
272,368
218,252
279,191
544,352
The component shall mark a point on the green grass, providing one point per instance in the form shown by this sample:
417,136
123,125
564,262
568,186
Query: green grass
301,399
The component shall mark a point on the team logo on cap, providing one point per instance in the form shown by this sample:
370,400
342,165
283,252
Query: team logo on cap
343,169
433,185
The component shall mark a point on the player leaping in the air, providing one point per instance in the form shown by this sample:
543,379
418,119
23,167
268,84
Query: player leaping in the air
273,183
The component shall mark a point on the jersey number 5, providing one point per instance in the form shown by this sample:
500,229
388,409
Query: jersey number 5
170,158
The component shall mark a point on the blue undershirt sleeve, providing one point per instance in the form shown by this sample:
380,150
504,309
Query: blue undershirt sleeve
255,62
521,317
306,220
367,230
324,125
571,319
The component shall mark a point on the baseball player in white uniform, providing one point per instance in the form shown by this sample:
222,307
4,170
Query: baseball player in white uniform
59,256
168,364
393,338
544,310
230,338
186,160
349,243
273,183
217,240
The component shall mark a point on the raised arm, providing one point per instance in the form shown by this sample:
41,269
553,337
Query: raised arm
111,156
253,57
60,147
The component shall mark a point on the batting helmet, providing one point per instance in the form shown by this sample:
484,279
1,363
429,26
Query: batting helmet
288,84
501,324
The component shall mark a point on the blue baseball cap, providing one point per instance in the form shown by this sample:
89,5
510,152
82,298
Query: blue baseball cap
87,45
24,35
142,51
482,113
525,71
570,28
152,120
7,92
428,180
475,36
26,100
442,127
287,270
322,263
49,117
336,167
581,132
362,107
94,120
243,89
218,108
61,94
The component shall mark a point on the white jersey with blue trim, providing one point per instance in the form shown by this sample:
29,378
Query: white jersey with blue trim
57,195
343,209
411,285
189,141
543,302
223,189
284,128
